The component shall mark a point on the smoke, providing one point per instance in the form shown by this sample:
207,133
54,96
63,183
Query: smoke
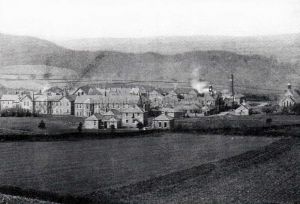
45,87
200,86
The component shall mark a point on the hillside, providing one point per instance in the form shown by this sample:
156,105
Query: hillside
213,66
284,47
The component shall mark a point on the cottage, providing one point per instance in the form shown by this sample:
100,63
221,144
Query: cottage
132,116
289,98
243,109
163,122
106,120
93,122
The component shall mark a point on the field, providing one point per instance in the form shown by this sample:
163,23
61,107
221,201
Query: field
29,125
81,167
250,121
269,174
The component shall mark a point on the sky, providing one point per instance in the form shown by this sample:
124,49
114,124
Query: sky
71,19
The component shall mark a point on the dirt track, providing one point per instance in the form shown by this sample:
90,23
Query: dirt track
266,175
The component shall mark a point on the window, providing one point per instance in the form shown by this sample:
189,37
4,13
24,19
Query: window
165,124
95,122
138,114
126,114
159,124
126,121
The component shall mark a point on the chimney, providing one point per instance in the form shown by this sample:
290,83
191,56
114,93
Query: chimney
289,86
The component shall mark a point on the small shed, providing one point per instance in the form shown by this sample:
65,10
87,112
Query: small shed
163,122
93,122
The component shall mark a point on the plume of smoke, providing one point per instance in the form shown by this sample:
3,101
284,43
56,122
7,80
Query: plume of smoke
45,87
200,86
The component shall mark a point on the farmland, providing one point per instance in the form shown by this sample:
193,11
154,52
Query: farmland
81,167
29,125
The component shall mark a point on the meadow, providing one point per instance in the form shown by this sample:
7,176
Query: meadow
81,167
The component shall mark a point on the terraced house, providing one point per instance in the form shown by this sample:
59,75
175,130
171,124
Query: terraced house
64,105
87,105
8,101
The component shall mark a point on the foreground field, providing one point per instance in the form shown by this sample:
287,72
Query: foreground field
80,167
267,175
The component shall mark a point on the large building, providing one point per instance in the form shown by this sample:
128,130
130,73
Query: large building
8,101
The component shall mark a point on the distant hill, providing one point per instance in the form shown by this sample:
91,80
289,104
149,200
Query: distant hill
214,66
284,47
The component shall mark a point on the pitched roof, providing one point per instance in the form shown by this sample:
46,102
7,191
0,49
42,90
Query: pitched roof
71,97
10,97
294,94
96,116
40,98
164,117
132,110
244,106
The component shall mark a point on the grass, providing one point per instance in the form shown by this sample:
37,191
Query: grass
80,167
266,175
29,125
251,121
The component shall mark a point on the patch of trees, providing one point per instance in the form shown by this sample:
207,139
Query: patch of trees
16,112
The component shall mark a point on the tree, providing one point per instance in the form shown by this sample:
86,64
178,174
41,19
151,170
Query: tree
268,121
42,125
140,125
112,128
296,109
79,128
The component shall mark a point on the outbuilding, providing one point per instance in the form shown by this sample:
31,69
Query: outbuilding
93,122
163,122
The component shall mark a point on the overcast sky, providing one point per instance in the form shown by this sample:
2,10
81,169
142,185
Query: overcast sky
63,19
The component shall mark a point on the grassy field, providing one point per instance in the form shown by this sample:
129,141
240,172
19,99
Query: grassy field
267,175
250,121
29,125
80,167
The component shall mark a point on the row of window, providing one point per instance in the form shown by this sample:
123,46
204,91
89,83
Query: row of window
133,114
288,104
104,105
162,123
60,111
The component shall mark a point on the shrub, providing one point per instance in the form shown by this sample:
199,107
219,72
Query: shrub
79,128
268,121
42,125
140,125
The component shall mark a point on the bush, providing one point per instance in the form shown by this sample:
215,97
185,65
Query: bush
42,125
15,112
79,128
268,121
140,125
